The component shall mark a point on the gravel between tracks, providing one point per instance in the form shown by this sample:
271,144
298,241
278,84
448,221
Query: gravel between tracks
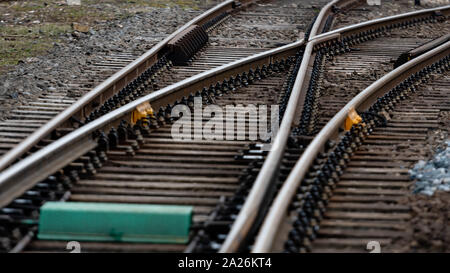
66,61
387,8
282,16
429,227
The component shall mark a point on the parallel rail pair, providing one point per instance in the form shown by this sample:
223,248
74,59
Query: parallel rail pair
55,156
267,175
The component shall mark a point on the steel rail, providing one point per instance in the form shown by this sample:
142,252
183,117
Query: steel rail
39,165
428,46
110,86
270,167
320,20
344,31
360,102
269,170
51,158
325,12
249,211
414,53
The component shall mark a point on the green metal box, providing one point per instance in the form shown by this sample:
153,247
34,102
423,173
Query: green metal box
115,222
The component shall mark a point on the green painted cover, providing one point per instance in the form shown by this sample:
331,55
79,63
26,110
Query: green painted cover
82,221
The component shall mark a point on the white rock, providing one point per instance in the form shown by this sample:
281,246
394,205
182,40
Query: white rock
73,2
436,182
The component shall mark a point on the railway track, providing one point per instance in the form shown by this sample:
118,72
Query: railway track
322,102
125,152
361,13
167,171
367,202
349,197
199,187
222,46
342,77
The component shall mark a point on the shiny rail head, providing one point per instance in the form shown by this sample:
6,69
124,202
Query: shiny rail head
249,211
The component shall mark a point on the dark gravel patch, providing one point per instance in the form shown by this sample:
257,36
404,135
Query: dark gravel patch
429,227
386,8
66,60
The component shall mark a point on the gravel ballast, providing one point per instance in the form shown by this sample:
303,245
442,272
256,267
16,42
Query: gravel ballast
66,61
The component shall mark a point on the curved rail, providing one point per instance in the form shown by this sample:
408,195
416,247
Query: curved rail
361,102
325,12
269,170
110,86
53,157
249,211
27,172
400,18
320,20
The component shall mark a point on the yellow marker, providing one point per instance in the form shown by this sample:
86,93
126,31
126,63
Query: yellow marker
141,111
352,119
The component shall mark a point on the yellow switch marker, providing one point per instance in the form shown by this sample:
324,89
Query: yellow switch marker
141,111
352,119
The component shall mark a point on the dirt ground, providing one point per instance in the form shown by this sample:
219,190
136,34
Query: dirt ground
29,28
48,46
429,227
